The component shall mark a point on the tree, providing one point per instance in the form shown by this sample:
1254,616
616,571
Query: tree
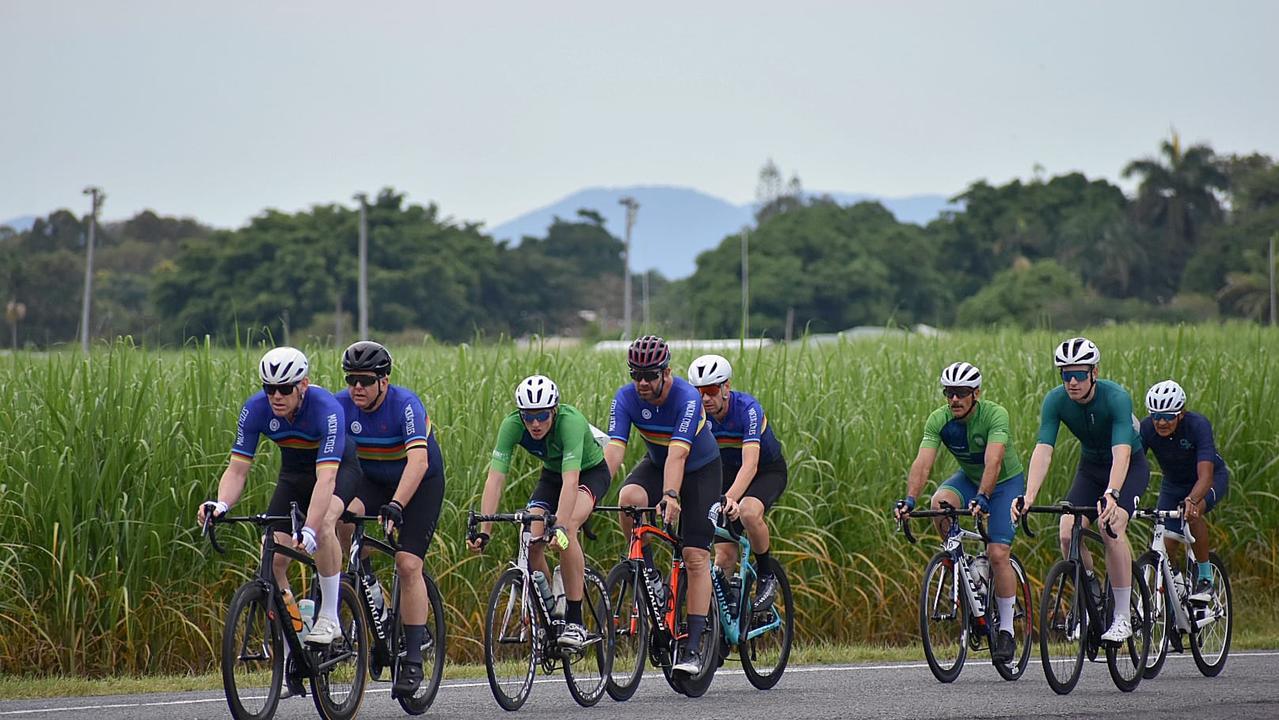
1024,295
773,195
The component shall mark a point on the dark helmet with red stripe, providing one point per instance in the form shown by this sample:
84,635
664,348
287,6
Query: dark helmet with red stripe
648,353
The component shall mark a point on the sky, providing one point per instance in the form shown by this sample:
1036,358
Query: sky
491,109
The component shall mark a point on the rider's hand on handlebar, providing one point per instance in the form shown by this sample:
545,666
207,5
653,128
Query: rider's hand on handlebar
670,508
219,509
1108,509
731,508
478,542
307,542
1021,506
903,507
391,515
1189,509
979,505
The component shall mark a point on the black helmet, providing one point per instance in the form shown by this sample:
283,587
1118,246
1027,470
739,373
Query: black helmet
648,353
367,356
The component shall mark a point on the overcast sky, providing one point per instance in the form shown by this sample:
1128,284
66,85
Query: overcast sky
220,109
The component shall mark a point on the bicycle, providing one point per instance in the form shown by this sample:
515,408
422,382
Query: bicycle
1072,623
256,634
651,628
956,597
763,639
387,629
1208,626
521,620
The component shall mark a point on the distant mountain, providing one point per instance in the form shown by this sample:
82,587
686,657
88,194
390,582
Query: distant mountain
674,224
20,224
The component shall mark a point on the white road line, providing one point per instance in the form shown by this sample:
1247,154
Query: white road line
472,684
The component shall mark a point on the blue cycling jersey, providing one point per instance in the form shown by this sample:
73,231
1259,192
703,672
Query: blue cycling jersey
678,420
384,437
315,438
745,423
1179,454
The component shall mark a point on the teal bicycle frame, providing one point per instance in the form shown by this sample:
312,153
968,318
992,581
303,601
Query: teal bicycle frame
732,624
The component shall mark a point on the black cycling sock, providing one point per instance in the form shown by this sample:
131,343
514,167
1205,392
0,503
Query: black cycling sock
763,565
696,625
573,611
648,558
413,637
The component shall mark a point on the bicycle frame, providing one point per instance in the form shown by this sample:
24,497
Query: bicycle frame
1180,616
643,530
1075,555
359,541
961,561
545,653
731,624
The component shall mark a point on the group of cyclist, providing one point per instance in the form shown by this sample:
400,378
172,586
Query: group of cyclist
372,446
1112,473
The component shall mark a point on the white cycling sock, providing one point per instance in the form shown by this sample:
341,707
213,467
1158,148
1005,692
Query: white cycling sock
1006,619
330,587
1122,597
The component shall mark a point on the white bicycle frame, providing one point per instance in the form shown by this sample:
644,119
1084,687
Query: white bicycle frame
962,572
1186,538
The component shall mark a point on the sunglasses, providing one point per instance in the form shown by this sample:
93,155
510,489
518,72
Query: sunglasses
285,390
957,392
535,415
1164,417
1076,375
710,390
645,375
361,380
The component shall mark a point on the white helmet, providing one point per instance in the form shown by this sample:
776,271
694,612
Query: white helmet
961,374
282,366
1077,351
536,392
1166,396
709,370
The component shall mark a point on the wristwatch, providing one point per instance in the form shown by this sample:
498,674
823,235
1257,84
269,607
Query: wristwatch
671,494
1113,493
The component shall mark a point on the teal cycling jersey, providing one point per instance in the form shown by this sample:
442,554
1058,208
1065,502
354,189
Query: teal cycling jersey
1101,423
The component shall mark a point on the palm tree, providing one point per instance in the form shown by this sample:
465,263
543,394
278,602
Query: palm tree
1177,198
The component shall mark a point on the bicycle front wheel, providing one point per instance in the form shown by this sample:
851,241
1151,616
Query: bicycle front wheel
432,650
586,670
766,642
509,634
252,655
943,619
1023,625
630,631
697,684
1127,660
1213,623
343,665
1063,627
1161,621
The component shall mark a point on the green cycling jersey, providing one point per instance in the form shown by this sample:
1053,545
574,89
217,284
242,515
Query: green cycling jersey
967,439
568,446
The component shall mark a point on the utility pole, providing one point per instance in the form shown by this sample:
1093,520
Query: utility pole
363,292
632,208
1272,278
746,295
647,327
98,196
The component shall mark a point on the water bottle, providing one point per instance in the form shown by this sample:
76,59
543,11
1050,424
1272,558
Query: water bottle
655,587
379,599
734,594
1182,585
306,608
981,571
557,589
294,614
544,589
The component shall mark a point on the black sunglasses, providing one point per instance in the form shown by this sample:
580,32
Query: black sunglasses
956,392
271,389
361,380
645,375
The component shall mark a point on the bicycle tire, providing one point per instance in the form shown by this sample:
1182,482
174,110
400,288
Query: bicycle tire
763,677
943,612
1208,665
1024,625
345,660
697,684
1127,660
433,650
1161,614
630,632
587,673
251,605
516,627
1063,625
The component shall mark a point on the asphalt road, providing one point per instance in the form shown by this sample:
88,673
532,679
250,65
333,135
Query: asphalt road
1247,688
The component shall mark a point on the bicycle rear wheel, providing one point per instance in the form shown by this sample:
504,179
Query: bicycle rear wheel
432,650
252,655
1063,627
1127,660
764,656
630,631
1161,619
338,685
1023,625
509,634
943,619
1213,624
587,670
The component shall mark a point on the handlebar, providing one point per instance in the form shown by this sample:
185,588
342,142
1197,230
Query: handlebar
945,511
1063,508
349,517
524,518
295,518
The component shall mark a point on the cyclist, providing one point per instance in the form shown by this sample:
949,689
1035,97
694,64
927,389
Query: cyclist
990,475
574,478
403,477
1112,470
317,464
681,470
1195,476
754,469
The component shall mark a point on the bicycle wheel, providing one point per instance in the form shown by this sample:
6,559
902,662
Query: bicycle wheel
338,685
432,650
587,670
1023,625
766,643
1063,627
509,633
1212,624
630,632
1127,660
252,654
943,619
697,684
1161,620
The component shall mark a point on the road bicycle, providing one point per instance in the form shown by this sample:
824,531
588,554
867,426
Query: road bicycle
259,625
521,629
1176,618
956,599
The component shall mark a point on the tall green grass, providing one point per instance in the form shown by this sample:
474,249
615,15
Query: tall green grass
103,463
